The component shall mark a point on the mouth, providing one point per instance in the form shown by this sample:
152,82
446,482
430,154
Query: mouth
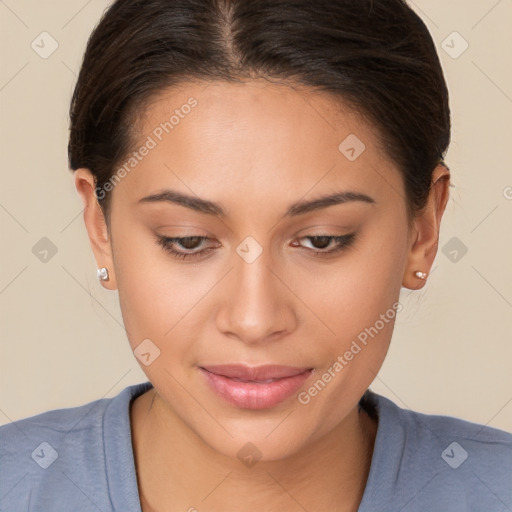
260,387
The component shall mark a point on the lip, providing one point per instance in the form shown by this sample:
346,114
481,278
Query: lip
259,387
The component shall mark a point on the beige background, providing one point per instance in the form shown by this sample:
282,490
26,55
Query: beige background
63,343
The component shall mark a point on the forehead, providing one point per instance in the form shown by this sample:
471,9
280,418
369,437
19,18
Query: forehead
221,107
255,134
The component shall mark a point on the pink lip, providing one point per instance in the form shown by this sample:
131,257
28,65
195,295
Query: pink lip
258,387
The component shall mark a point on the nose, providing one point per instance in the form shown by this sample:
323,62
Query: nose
257,307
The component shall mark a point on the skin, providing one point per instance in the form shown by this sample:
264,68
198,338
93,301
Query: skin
255,148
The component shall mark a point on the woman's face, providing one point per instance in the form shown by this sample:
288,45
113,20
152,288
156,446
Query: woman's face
238,170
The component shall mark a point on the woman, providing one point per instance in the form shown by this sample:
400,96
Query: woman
259,179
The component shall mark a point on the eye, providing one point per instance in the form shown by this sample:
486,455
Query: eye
193,246
328,244
187,243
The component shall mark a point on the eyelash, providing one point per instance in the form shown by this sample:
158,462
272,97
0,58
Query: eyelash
343,241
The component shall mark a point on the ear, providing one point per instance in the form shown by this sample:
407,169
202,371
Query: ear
96,225
424,237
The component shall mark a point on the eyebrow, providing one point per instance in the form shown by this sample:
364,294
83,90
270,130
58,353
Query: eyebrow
298,208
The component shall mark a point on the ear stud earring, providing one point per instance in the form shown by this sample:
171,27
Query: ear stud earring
420,275
102,274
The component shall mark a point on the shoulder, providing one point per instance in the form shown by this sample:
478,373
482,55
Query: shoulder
34,438
58,456
57,424
442,461
460,438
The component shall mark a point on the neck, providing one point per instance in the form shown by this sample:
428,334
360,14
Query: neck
176,470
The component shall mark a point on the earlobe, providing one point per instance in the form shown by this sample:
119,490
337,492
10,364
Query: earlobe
425,239
96,226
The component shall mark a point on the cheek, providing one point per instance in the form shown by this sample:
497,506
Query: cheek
358,301
157,296
351,293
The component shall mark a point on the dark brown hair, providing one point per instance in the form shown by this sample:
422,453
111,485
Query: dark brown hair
376,56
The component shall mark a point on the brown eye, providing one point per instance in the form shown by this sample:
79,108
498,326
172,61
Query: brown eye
321,243
188,243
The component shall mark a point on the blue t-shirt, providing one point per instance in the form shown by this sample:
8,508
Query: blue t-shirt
80,459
